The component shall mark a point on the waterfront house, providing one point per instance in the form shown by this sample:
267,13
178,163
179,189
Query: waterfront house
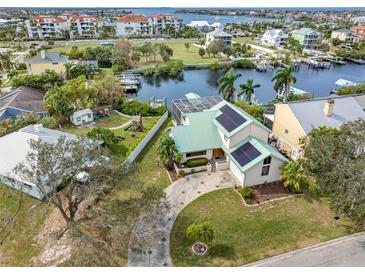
218,35
22,101
229,138
201,26
14,149
47,60
308,38
82,117
345,35
274,38
360,31
295,120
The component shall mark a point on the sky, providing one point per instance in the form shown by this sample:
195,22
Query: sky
182,3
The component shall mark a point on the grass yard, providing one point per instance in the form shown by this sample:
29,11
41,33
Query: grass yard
19,247
131,139
244,235
190,56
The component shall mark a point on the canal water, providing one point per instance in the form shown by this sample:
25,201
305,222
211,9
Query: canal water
318,83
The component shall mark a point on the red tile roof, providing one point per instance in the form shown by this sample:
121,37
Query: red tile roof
42,18
82,18
137,18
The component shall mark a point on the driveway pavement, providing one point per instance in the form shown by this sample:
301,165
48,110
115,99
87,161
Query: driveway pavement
346,251
149,244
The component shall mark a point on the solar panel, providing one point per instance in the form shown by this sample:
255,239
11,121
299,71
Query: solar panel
229,118
245,154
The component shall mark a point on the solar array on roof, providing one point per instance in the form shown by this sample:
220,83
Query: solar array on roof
229,118
245,154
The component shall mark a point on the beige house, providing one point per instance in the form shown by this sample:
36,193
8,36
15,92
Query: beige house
295,120
345,35
47,60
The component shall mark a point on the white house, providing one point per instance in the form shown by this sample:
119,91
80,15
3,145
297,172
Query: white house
218,35
201,25
15,147
230,139
274,37
82,117
345,35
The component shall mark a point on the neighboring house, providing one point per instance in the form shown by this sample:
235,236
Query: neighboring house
345,35
133,25
201,25
82,117
46,26
218,35
22,101
295,120
47,60
230,139
140,25
360,31
274,38
308,38
86,26
14,149
358,20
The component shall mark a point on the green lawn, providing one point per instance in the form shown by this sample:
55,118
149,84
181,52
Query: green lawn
122,149
190,56
244,235
19,247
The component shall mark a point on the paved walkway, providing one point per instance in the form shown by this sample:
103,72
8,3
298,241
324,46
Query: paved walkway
121,126
153,231
346,251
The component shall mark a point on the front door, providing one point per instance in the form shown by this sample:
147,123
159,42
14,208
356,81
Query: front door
217,152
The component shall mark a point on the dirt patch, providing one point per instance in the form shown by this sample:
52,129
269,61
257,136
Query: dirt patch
54,251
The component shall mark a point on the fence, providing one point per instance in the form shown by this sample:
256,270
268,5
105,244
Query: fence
147,138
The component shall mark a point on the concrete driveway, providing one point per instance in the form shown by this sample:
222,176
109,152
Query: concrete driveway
149,244
346,251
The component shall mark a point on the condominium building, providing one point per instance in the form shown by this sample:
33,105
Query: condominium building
46,26
140,25
86,26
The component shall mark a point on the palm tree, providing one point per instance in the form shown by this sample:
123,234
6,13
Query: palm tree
248,88
226,84
284,78
5,62
167,150
293,176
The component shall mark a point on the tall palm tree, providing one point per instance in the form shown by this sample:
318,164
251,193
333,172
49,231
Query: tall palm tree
248,88
5,62
226,84
284,78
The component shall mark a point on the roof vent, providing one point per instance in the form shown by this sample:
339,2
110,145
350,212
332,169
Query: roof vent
328,107
38,128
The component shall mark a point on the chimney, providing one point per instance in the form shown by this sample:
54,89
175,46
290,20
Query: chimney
328,107
43,54
38,128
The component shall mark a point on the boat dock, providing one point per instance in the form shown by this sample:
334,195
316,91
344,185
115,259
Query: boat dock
129,81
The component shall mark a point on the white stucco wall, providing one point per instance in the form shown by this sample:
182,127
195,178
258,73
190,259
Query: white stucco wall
253,175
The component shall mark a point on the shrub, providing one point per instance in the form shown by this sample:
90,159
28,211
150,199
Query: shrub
144,109
246,192
103,134
245,64
200,232
48,122
181,173
196,162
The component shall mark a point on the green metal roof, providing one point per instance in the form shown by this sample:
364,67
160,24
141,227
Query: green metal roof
200,134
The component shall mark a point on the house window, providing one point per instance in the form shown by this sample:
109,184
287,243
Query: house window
225,138
266,166
294,153
27,186
265,170
286,131
267,161
197,153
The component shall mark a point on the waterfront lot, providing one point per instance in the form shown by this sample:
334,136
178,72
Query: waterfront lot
244,234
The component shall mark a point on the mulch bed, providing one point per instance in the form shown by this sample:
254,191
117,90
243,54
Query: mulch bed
267,192
172,172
